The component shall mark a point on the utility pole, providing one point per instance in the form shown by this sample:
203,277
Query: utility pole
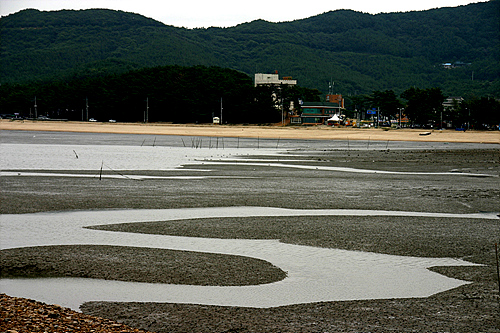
221,111
146,112
36,112
282,113
87,109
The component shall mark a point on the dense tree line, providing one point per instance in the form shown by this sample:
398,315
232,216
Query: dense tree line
424,107
477,113
197,94
360,52
168,94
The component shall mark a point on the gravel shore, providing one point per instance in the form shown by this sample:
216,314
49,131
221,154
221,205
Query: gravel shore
20,315
474,307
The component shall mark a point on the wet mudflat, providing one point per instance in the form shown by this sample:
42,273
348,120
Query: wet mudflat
266,182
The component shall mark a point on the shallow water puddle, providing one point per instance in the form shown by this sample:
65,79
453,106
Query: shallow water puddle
113,176
350,170
84,157
314,274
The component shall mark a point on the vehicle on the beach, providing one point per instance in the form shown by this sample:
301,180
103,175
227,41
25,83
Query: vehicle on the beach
11,116
92,120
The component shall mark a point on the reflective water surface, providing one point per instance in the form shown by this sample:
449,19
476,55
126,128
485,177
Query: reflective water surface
314,274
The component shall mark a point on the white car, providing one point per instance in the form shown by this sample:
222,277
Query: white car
92,120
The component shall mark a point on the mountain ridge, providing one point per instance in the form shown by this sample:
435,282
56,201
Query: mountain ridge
360,52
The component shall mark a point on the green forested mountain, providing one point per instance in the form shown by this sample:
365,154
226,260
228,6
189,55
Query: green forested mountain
359,52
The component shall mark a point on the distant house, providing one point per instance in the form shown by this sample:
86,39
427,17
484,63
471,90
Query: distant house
450,105
335,99
272,79
452,102
319,113
455,64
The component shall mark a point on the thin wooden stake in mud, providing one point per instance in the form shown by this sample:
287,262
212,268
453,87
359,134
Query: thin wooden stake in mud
75,153
498,269
100,172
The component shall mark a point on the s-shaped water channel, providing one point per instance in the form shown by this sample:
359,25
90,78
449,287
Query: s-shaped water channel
314,274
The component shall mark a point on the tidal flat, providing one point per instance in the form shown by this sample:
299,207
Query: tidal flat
440,178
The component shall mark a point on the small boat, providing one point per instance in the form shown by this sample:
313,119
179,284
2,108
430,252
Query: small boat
425,133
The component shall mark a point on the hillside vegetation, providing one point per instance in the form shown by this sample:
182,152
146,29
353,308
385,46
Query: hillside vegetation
359,52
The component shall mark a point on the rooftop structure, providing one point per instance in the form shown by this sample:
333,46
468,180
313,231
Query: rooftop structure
452,102
316,113
272,79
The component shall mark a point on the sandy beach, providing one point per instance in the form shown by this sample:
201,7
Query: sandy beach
241,131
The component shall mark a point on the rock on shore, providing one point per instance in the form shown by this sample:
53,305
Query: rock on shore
25,315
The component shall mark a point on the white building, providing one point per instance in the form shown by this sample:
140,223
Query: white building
452,102
272,79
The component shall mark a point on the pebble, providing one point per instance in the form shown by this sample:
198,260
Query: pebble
19,315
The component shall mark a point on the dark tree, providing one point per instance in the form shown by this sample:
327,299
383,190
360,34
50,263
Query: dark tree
478,113
387,101
423,106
